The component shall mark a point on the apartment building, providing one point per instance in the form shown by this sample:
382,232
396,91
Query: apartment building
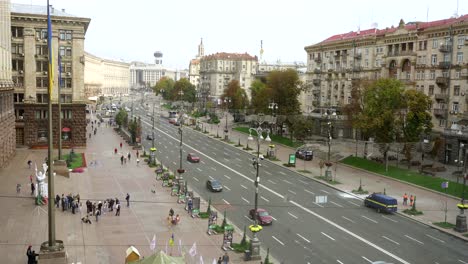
106,77
7,113
29,73
428,56
217,70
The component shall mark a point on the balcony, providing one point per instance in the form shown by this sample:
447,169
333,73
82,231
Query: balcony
445,48
444,64
442,81
439,112
317,71
357,68
441,96
316,82
358,56
318,59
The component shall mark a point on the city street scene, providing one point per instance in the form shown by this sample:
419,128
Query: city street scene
214,134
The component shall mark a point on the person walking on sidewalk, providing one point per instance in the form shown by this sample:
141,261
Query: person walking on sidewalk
115,151
33,188
411,199
128,199
226,258
137,154
29,164
117,210
405,199
121,160
129,156
120,145
98,213
18,188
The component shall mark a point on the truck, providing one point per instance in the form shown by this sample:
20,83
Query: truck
381,202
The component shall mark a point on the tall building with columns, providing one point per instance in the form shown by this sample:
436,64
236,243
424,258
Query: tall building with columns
7,116
29,72
194,66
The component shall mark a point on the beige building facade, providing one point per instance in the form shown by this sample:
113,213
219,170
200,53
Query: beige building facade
106,77
194,66
29,72
219,69
431,57
7,113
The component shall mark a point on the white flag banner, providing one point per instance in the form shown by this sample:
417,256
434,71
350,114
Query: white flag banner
153,243
180,246
201,259
167,252
193,250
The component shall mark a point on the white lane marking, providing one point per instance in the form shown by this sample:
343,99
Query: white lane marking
282,173
291,192
328,236
227,176
344,217
337,261
372,220
354,203
309,191
350,233
199,169
265,199
174,163
213,168
339,205
238,154
248,218
394,221
226,201
463,261
325,191
245,200
304,182
293,216
274,218
226,159
167,157
435,238
393,241
202,161
278,240
268,173
288,182
195,179
318,204
296,204
243,186
213,153
227,188
414,239
366,259
210,177
271,181
305,239
238,159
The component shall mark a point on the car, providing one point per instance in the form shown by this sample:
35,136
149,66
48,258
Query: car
304,154
149,137
262,215
149,114
192,157
172,120
177,123
214,185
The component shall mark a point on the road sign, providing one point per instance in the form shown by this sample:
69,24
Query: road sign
292,159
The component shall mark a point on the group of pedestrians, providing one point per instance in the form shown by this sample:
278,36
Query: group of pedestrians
69,202
405,199
99,208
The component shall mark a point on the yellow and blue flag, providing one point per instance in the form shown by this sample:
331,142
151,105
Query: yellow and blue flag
51,54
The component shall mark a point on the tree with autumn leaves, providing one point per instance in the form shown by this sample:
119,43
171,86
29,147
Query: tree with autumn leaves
172,89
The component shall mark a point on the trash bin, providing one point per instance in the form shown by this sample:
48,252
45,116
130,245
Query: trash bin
247,255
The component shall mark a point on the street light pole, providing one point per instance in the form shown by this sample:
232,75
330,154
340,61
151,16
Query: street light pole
460,225
227,101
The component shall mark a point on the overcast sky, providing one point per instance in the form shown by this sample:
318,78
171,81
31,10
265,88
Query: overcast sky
134,30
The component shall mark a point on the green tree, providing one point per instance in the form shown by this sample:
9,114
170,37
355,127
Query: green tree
301,127
187,89
238,96
164,84
132,128
121,117
261,96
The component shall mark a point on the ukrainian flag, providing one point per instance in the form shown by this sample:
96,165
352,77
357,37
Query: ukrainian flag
51,54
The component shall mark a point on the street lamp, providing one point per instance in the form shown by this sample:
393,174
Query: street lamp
460,225
273,106
227,101
329,137
255,242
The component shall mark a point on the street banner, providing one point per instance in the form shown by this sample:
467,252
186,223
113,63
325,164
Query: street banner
153,243
201,260
193,250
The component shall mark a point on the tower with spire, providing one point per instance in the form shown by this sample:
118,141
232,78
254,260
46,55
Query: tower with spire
201,49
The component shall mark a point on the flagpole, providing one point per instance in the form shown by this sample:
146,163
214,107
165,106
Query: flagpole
60,108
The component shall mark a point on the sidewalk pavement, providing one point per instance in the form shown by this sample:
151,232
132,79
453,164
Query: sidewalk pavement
431,203
23,223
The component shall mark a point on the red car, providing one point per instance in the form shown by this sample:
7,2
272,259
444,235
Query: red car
193,158
263,217
172,120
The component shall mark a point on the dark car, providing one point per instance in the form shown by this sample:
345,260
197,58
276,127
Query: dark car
149,137
214,185
263,217
304,154
192,157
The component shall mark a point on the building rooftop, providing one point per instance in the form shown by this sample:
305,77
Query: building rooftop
38,10
230,56
412,26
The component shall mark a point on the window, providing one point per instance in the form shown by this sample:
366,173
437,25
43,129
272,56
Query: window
18,97
445,74
42,135
457,74
455,107
442,122
434,59
377,63
42,66
17,49
423,59
65,98
66,114
456,90
18,80
42,98
65,35
435,43
19,114
42,50
461,40
418,75
431,90
459,57
423,45
41,33
41,114
432,75
366,63
17,32
17,65
42,82
67,83
367,51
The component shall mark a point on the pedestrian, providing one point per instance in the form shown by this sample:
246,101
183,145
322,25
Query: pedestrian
121,160
94,208
98,213
190,205
138,154
105,206
220,260
117,209
115,151
78,198
125,161
128,200
405,199
85,219
33,188
138,162
30,178
411,199
129,156
226,258
63,203
73,206
120,145
29,164
171,212
57,200
99,206
18,188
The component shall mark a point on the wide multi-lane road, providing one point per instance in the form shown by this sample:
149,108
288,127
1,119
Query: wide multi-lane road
340,230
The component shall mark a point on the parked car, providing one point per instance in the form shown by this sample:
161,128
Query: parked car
172,120
192,157
177,123
214,185
304,154
262,215
149,137
381,202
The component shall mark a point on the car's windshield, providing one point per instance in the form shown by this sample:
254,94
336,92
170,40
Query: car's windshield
263,213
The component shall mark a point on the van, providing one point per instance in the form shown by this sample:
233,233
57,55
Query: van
381,202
